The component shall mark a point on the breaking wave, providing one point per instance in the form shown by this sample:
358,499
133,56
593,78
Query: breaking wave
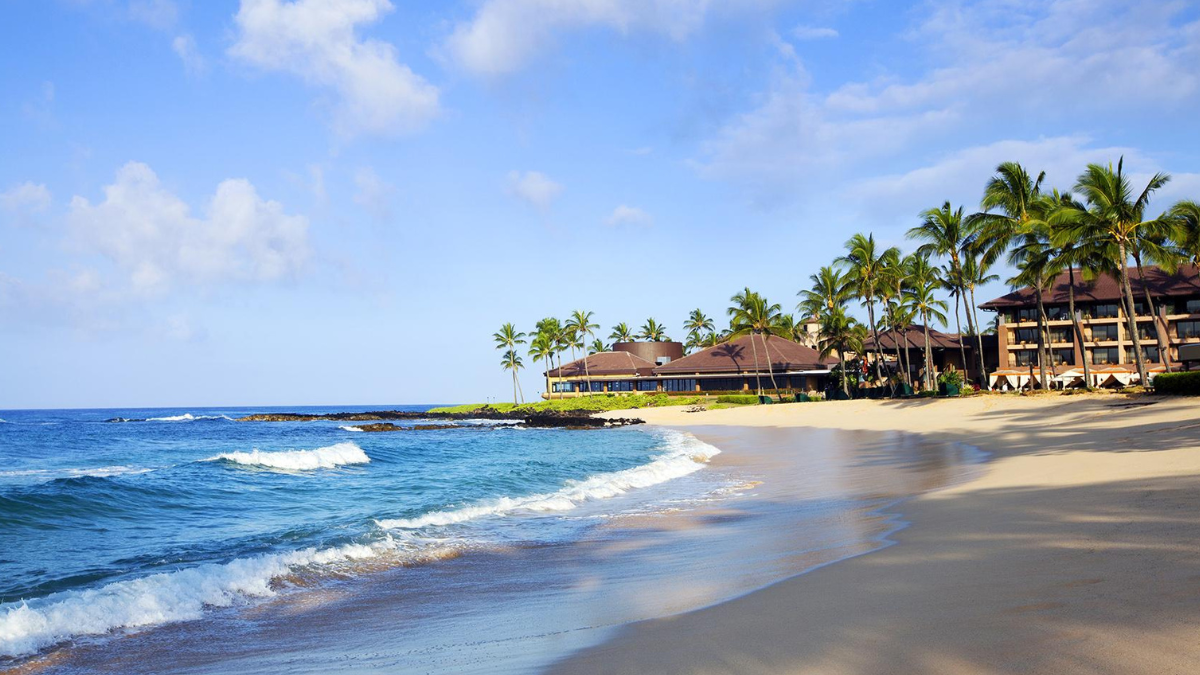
98,472
188,417
684,454
328,457
349,428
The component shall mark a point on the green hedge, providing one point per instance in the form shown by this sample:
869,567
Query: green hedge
740,399
1183,384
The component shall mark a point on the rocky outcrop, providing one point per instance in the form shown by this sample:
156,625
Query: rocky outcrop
388,426
384,419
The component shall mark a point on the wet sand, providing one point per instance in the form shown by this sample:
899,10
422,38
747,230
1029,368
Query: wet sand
775,502
1076,551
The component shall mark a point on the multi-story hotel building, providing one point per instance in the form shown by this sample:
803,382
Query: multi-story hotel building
1107,345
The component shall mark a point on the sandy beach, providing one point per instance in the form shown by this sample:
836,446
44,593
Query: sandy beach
1076,551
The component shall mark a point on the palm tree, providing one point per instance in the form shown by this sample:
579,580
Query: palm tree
838,334
508,338
1037,266
652,331
752,315
893,279
791,329
830,290
1070,253
952,283
947,234
1114,215
541,348
975,274
621,333
697,326
597,346
1008,207
556,337
864,263
924,280
581,325
511,361
1186,236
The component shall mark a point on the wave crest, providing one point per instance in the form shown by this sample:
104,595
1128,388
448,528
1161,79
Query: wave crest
329,457
685,454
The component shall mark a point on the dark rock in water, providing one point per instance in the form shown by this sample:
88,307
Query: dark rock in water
562,420
388,426
124,419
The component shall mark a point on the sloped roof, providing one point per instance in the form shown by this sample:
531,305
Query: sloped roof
1105,288
737,356
916,339
606,364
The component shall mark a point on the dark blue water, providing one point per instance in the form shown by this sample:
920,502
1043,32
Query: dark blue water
107,526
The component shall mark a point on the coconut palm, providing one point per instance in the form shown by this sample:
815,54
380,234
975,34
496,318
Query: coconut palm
556,336
621,333
1008,205
975,273
1070,253
752,315
1115,215
597,346
947,234
1186,236
697,325
830,289
1037,265
864,263
581,325
652,331
924,279
893,277
838,335
791,329
507,338
542,348
512,361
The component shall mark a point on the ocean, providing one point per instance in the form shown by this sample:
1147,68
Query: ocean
150,544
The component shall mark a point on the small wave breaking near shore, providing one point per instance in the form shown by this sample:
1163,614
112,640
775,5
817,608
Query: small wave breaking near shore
340,454
684,454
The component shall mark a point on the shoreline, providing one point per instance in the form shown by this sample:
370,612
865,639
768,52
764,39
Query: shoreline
1074,551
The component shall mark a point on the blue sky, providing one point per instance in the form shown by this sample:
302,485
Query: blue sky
338,201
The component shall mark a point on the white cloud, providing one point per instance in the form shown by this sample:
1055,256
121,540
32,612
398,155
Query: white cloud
374,194
505,35
629,216
534,188
26,198
813,33
185,48
158,14
152,238
317,41
1002,65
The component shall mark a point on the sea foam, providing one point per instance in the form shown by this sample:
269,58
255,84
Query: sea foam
684,454
299,460
188,417
160,598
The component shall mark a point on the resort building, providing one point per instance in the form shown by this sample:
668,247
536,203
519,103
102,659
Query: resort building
737,365
1107,345
947,350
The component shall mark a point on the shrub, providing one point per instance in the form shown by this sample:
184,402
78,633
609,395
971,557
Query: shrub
740,399
1181,384
951,378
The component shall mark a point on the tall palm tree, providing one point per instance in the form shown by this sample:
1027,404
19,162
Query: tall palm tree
697,326
1070,253
893,276
975,273
947,234
597,346
752,315
581,325
512,361
1114,214
556,336
838,334
1186,236
1008,204
541,348
830,290
652,331
621,333
1037,266
952,283
791,329
924,280
864,262
507,338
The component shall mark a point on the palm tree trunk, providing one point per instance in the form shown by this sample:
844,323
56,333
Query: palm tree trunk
514,373
587,371
928,354
1041,338
1087,369
520,388
757,379
845,378
770,368
907,355
983,374
1130,318
1160,331
875,334
962,349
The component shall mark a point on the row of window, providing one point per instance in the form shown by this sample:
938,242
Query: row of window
1099,356
1103,310
1104,332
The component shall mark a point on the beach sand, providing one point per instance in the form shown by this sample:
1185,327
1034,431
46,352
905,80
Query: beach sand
1076,551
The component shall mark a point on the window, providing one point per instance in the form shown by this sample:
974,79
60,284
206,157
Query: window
1192,306
1104,332
620,385
1026,357
1063,357
1026,335
679,385
562,387
1102,311
1147,332
1056,313
596,386
1148,353
1027,314
1187,329
647,385
1104,355
721,384
1061,335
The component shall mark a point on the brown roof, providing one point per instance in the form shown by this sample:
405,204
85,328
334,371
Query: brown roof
916,339
606,364
1105,288
737,356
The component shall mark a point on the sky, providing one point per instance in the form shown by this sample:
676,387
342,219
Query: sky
273,202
